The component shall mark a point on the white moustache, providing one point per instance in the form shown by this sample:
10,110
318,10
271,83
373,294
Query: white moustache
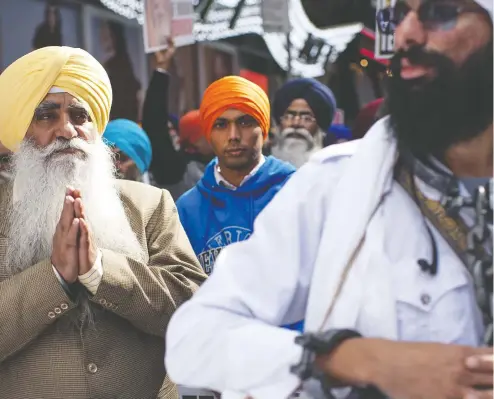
60,145
297,133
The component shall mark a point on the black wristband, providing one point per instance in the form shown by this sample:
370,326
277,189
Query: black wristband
324,344
317,344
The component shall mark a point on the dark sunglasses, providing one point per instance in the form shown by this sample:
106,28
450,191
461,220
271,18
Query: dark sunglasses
433,15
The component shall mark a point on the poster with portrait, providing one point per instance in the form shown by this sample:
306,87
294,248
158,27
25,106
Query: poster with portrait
117,43
157,24
385,29
217,60
167,18
48,23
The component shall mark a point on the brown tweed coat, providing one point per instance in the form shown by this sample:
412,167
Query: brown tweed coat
44,356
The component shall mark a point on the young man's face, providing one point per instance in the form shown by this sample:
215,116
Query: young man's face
237,139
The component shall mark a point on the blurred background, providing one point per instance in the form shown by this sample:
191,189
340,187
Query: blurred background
331,40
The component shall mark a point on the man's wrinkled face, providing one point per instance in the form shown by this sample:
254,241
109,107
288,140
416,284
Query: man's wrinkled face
299,115
440,92
299,135
236,139
61,117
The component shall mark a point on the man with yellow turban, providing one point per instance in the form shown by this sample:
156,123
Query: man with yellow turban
240,181
91,268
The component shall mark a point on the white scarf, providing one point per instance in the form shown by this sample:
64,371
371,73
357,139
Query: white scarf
366,177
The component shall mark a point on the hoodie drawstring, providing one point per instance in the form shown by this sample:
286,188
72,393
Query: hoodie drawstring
251,212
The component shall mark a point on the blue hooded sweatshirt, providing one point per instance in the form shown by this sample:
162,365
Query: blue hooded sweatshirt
214,216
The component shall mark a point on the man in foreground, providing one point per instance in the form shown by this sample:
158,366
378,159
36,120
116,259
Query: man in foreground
91,268
384,245
240,182
304,110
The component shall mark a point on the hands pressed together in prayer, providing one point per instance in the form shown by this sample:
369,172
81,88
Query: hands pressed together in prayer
74,252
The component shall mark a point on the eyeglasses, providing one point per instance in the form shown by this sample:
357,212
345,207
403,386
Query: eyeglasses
433,15
304,118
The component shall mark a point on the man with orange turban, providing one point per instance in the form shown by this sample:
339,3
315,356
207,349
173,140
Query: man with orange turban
196,150
91,268
240,181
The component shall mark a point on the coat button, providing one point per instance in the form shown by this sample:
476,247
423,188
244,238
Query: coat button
64,306
51,315
58,310
102,301
425,299
92,368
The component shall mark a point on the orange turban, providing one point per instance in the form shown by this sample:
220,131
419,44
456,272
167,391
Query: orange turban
238,93
189,127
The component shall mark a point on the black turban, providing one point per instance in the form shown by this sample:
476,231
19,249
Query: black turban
319,97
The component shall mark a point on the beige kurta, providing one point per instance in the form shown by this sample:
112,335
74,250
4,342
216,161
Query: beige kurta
42,356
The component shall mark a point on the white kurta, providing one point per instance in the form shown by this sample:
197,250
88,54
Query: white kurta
226,338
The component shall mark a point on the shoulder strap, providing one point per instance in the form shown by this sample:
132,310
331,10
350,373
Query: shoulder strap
451,228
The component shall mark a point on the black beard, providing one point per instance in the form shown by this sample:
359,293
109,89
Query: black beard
430,115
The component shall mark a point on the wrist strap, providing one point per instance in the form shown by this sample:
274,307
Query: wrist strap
317,344
324,344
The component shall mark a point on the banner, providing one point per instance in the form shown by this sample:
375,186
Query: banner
385,29
167,18
157,24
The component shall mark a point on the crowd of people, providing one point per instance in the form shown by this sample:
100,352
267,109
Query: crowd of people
252,248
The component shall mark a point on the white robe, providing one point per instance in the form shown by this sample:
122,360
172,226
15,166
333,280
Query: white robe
226,338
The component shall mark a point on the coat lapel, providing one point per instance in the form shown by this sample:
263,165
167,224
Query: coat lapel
5,205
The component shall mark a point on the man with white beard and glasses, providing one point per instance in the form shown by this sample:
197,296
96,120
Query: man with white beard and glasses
91,268
383,245
303,109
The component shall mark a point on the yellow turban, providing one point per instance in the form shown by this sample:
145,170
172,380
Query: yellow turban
234,92
26,82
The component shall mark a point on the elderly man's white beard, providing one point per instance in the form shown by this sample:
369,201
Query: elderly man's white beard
41,176
296,145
